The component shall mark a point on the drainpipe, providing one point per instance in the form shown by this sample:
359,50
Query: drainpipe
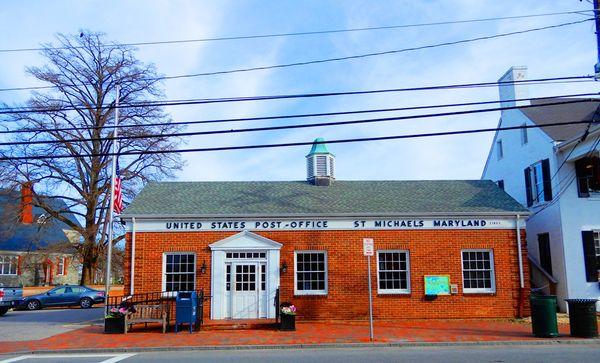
131,288
521,278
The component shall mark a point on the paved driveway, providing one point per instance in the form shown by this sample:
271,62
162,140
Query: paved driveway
40,324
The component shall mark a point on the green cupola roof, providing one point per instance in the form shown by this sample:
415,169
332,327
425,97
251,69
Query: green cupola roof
319,147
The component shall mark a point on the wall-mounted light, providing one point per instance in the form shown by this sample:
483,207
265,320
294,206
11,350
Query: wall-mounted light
203,268
283,267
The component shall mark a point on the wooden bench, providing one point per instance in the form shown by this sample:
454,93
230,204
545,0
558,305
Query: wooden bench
148,314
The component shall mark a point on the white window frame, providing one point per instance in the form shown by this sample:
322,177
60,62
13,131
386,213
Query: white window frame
60,266
499,150
10,259
471,290
164,270
310,292
395,291
524,136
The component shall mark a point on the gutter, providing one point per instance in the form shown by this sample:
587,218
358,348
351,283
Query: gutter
328,215
574,140
521,301
131,280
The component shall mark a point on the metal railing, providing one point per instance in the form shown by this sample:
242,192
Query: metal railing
162,297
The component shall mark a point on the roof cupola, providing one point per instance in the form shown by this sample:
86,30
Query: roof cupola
320,164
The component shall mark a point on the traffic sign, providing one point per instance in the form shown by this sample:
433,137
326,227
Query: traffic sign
368,248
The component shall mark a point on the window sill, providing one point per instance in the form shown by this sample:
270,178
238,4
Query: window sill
310,293
479,292
387,293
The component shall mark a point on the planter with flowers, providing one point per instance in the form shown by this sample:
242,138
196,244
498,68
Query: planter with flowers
288,317
114,321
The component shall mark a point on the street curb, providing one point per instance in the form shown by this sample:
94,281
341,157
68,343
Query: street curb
312,346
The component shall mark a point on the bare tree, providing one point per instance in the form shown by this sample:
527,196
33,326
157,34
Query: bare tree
84,71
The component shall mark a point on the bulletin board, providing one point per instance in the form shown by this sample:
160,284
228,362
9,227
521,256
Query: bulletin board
437,284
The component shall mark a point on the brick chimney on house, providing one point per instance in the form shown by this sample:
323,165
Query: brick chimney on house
27,203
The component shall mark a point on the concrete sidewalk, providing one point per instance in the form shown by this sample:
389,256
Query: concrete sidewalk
389,333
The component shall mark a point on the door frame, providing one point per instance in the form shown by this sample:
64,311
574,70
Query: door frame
243,241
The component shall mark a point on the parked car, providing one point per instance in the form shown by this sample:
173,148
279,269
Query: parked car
65,295
10,297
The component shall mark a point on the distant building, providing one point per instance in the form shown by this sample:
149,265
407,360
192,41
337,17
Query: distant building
35,249
555,172
442,249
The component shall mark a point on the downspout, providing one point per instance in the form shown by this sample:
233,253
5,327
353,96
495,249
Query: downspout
521,278
132,284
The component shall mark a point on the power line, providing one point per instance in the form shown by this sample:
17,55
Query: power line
291,144
322,114
336,59
288,127
551,80
396,51
304,33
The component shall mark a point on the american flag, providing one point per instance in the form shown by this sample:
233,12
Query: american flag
118,193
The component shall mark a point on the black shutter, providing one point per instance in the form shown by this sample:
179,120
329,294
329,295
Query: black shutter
544,250
589,256
528,187
582,185
547,180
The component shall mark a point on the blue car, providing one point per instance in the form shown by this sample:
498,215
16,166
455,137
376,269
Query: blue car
65,295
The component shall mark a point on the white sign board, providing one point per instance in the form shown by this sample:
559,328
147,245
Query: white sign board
368,248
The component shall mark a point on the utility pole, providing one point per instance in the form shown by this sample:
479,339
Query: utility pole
597,21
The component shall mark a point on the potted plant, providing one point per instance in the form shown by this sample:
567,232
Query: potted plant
114,321
288,316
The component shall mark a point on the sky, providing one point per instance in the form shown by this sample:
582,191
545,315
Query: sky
567,51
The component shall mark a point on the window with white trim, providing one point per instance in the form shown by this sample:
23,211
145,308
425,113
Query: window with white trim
499,149
179,272
478,271
9,265
60,266
311,272
393,272
524,136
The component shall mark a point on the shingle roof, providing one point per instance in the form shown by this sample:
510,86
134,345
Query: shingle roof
16,236
561,113
290,198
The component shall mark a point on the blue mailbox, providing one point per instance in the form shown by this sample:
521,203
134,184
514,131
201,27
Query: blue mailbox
186,309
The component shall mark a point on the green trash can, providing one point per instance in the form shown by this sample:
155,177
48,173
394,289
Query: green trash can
543,316
582,318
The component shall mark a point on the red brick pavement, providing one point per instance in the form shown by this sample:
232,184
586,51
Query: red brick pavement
92,337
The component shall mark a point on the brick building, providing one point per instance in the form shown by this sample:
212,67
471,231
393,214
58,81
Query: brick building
443,249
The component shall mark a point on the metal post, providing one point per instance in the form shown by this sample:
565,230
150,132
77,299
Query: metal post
370,299
112,201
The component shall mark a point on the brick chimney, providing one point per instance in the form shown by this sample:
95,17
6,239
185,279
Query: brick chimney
27,203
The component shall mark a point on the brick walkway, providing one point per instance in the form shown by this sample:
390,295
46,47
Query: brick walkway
92,337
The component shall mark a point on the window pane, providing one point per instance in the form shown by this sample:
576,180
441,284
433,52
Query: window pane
477,271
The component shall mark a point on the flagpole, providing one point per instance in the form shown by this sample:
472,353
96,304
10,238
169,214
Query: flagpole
112,201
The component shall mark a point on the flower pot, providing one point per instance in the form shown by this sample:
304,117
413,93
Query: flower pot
288,322
114,325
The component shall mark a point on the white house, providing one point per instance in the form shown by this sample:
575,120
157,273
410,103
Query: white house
554,170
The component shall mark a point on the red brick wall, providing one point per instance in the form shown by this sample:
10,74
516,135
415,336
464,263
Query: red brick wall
431,252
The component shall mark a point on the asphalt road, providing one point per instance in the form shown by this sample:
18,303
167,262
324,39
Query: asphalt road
495,354
40,324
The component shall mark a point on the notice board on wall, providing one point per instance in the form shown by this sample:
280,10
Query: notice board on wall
437,284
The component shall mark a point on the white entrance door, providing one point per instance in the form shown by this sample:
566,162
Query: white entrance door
245,290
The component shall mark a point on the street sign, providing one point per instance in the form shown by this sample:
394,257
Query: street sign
368,248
